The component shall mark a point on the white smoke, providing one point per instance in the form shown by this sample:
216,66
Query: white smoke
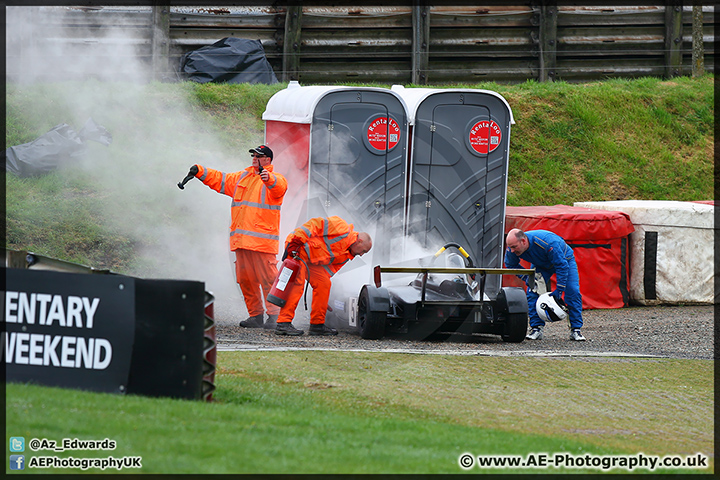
45,44
348,282
157,136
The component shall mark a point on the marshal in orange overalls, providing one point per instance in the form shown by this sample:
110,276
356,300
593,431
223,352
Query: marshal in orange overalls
325,249
254,229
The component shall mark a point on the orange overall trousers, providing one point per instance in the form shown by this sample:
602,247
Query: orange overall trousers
255,273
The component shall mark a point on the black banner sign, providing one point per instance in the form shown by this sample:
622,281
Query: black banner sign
66,329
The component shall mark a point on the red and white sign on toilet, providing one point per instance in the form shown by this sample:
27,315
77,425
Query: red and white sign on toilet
485,136
382,134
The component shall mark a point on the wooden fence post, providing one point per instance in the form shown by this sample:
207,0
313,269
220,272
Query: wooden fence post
698,49
420,42
291,42
16,259
160,39
548,42
673,37
21,42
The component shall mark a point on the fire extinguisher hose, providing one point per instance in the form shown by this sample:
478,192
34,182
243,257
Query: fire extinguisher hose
305,295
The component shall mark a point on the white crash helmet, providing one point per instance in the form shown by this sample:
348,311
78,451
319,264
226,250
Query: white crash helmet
549,310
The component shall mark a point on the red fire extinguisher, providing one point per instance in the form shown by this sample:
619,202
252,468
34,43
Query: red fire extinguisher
279,291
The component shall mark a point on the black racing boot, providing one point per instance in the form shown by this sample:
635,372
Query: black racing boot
253,322
271,322
321,329
286,328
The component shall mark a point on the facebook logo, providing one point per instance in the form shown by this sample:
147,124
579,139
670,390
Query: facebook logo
17,444
17,462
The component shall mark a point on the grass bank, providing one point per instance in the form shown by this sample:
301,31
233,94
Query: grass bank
349,412
643,139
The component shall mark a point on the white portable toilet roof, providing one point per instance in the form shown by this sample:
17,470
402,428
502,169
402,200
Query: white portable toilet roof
296,104
414,96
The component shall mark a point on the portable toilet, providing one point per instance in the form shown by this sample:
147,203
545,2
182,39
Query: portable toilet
343,152
457,179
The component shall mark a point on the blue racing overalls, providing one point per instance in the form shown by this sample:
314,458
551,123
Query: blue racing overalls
548,253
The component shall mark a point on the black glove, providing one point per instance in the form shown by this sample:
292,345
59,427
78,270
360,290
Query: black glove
559,300
191,174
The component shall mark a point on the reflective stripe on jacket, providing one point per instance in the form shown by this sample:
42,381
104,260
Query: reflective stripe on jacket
326,241
255,209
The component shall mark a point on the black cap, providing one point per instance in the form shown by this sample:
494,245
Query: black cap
262,150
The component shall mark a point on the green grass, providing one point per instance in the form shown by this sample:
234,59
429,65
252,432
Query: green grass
596,141
234,110
346,412
75,228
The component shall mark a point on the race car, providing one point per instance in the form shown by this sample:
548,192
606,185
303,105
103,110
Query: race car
440,300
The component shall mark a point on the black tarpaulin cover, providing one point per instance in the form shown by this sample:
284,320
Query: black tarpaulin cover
230,60
60,144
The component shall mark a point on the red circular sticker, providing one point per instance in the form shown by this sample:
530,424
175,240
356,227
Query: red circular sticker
378,135
485,136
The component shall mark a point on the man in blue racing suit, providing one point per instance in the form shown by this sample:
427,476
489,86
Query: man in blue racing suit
547,253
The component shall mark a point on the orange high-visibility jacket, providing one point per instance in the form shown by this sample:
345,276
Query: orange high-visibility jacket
255,209
326,241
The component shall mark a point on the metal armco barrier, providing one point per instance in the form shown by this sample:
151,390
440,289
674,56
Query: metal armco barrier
107,332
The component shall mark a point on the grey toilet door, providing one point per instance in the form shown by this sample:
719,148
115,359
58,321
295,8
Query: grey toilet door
357,164
459,176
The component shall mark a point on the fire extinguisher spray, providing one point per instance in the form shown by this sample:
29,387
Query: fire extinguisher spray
288,272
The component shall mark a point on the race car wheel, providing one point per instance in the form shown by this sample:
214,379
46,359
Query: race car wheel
371,320
515,327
